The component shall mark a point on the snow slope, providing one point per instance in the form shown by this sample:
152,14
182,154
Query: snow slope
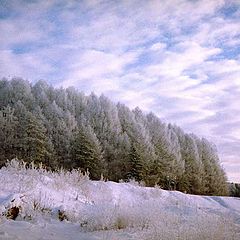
107,210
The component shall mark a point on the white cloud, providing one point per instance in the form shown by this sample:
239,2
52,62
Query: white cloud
18,31
24,65
158,46
185,56
97,67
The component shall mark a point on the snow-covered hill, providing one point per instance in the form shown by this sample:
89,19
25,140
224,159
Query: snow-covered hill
107,210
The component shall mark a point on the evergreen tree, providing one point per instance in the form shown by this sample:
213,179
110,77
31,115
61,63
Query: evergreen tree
167,167
215,181
61,133
31,142
234,189
66,128
5,93
137,167
192,179
86,152
8,123
34,141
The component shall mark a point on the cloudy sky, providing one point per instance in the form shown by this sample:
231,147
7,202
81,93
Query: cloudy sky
177,58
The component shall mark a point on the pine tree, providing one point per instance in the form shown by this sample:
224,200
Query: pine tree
8,123
192,179
215,181
137,168
166,167
86,152
32,142
234,189
35,141
66,128
61,133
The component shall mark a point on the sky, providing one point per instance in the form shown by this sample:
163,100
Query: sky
177,58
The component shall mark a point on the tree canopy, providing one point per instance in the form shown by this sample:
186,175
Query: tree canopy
65,128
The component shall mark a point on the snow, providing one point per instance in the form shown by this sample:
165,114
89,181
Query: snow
107,210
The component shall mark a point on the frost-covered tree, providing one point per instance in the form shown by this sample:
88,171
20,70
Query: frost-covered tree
77,102
40,92
167,166
58,126
5,93
60,133
137,166
214,176
21,91
86,152
8,127
192,179
35,141
102,116
141,149
32,141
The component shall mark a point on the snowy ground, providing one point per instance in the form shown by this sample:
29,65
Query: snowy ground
107,210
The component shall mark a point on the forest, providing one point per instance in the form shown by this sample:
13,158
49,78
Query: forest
64,128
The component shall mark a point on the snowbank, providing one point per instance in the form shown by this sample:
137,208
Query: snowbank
107,210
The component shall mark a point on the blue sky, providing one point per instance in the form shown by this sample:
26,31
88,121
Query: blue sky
177,58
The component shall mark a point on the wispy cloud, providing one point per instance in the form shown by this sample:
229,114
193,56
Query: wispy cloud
178,58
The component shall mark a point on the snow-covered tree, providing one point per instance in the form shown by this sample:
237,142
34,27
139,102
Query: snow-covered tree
32,140
86,152
192,180
214,177
63,127
8,127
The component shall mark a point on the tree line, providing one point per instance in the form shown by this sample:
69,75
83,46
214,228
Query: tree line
65,128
